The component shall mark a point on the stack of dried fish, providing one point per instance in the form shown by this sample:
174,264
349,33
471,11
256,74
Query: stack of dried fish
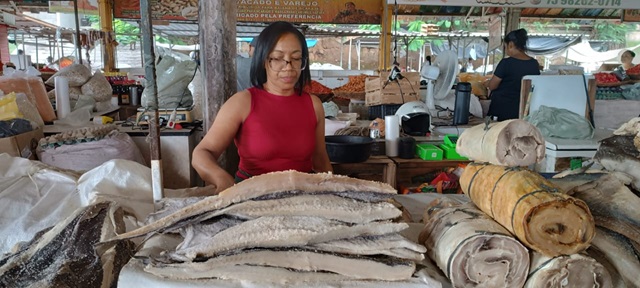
65,255
576,270
615,210
287,226
472,249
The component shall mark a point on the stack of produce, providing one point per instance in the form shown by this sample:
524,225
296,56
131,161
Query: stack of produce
83,85
316,88
354,89
551,223
286,227
606,79
634,72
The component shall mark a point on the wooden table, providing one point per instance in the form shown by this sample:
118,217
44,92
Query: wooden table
377,168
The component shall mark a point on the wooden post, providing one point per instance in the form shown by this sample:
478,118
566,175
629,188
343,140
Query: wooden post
217,22
78,44
106,26
146,27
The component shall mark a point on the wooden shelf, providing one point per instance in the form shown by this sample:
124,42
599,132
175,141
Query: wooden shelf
376,168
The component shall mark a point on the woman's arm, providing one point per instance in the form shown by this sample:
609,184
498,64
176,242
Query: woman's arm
321,161
218,138
493,83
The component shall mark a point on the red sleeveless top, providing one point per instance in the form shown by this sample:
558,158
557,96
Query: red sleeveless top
278,134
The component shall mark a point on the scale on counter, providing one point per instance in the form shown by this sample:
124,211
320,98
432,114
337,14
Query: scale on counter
182,115
449,147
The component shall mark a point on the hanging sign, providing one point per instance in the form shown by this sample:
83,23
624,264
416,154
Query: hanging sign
87,7
495,34
588,4
631,15
306,11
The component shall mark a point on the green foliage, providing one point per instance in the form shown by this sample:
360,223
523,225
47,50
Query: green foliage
128,33
611,31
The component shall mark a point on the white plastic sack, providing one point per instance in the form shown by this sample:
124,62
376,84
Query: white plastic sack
99,87
77,74
174,73
33,196
88,155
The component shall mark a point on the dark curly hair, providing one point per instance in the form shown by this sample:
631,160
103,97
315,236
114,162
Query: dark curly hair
519,38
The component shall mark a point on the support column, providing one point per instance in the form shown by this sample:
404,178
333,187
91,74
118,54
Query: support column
385,37
108,41
218,66
4,44
513,20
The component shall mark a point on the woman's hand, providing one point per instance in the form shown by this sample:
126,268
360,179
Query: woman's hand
223,181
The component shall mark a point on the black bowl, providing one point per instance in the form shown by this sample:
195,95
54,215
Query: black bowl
348,149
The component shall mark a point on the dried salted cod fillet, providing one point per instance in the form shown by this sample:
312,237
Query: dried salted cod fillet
270,186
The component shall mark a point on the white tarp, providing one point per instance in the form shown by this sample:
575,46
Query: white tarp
34,196
583,53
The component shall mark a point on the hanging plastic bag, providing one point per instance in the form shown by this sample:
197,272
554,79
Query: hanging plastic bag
174,73
560,123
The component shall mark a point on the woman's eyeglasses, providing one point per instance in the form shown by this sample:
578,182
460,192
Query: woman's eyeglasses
279,64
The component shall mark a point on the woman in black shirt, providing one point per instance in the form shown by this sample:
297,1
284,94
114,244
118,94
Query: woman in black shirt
507,77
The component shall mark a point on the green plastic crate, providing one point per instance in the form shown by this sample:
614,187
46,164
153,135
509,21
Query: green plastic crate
450,153
429,152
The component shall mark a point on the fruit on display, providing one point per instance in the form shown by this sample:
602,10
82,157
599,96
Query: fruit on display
606,78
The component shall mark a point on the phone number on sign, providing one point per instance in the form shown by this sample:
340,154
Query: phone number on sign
594,3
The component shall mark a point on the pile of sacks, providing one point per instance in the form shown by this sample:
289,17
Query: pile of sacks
84,88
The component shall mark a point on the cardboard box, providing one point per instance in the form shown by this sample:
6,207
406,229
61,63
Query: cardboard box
396,92
22,145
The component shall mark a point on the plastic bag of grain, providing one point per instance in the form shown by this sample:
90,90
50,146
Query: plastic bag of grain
77,74
88,155
98,87
74,95
32,87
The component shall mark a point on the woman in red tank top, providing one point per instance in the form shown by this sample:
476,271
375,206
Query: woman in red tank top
275,125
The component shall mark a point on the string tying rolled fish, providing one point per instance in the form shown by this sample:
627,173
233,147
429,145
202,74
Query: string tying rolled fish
507,143
464,242
530,207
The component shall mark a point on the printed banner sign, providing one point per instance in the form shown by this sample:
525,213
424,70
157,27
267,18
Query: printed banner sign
631,15
306,11
588,4
87,7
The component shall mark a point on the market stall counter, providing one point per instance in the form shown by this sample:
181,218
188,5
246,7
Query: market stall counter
177,147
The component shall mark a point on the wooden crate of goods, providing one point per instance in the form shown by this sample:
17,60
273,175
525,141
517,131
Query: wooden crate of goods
395,92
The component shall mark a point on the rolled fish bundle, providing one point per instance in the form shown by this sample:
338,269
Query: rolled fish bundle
575,270
507,143
472,249
531,208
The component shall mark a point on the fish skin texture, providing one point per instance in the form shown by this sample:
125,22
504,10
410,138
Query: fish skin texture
65,255
253,188
283,231
299,260
612,205
622,255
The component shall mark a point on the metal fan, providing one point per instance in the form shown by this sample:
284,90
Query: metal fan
440,77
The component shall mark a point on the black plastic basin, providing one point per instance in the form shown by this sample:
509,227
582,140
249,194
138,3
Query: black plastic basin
348,149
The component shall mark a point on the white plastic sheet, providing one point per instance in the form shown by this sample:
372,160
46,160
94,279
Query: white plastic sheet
34,196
